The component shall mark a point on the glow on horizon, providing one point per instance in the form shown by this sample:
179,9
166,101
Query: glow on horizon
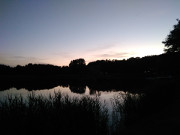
110,52
56,32
113,53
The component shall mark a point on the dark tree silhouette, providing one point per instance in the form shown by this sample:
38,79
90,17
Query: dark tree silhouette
77,63
77,66
172,42
4,69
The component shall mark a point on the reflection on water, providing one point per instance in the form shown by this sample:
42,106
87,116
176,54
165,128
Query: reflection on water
73,91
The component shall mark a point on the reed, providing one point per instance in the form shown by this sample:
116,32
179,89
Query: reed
55,114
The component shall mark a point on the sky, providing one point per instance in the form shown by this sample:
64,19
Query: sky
58,31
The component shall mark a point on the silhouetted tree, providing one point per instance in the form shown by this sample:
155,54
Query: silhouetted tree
172,42
77,65
4,69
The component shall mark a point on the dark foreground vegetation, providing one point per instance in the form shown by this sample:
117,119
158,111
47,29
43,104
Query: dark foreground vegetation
154,111
57,114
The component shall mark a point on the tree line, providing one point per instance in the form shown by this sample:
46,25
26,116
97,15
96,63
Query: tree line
158,65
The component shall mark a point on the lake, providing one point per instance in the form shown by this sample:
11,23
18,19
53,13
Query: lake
105,97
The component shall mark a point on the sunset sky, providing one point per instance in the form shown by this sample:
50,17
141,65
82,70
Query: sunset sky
58,31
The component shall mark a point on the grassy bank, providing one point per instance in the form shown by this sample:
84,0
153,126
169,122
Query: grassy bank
57,114
156,111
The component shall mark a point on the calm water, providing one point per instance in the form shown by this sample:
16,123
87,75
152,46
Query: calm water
104,96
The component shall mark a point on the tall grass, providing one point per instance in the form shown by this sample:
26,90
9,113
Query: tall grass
126,110
131,112
55,114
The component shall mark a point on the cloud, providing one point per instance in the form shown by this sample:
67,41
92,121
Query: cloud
19,60
113,55
18,57
25,58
